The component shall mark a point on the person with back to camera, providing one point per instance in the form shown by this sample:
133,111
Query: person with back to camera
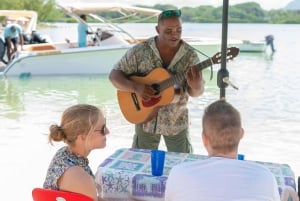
221,176
83,129
169,51
13,35
82,30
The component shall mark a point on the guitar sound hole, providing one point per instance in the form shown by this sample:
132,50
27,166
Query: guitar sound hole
156,88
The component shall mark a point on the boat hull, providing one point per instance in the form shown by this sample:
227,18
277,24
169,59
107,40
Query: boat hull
58,59
94,61
248,46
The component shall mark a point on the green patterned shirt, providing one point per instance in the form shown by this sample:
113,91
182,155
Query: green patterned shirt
141,60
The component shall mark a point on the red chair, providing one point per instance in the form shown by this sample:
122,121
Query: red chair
41,194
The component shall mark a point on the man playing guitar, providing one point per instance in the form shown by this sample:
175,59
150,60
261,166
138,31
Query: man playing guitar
169,52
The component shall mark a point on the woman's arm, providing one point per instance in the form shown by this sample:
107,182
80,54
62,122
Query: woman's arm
75,179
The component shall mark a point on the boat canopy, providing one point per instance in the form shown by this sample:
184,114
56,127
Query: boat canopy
26,18
96,11
87,8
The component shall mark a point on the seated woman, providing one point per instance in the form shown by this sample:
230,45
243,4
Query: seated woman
83,129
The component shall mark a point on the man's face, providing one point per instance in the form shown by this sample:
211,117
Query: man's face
169,31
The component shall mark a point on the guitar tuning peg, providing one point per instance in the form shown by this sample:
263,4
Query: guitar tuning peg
227,81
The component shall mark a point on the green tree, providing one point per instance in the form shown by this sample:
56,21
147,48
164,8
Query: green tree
46,10
284,16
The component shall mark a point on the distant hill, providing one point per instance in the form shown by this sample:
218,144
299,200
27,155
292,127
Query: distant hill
294,5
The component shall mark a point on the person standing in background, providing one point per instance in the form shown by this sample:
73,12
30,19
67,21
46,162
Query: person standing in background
82,29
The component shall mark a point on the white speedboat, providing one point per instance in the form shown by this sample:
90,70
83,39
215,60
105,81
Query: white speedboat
252,46
65,58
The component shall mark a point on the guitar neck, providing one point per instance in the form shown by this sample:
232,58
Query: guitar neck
179,77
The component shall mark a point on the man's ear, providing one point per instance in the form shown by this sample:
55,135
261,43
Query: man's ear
157,29
204,139
242,133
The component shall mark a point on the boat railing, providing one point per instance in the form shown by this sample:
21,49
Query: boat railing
113,28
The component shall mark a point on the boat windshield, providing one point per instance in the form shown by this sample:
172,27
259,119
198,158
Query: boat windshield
107,16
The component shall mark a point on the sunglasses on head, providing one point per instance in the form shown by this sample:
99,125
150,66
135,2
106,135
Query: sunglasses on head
169,13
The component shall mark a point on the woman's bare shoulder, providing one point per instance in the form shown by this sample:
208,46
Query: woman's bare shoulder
75,179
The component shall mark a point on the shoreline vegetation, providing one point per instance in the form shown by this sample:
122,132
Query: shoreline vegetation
249,12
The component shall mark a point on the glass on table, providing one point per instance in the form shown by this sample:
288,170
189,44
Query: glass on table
157,162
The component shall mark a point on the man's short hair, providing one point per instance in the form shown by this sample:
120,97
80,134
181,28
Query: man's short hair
221,123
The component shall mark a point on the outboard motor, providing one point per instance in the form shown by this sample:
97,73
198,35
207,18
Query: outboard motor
269,41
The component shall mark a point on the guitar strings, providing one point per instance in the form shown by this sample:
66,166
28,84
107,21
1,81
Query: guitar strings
211,68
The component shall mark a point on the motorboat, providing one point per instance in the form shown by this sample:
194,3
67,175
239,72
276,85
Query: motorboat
252,46
109,44
66,58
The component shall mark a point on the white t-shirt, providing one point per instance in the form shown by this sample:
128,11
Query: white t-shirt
221,179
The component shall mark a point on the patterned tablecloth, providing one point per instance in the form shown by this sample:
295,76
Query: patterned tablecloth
126,174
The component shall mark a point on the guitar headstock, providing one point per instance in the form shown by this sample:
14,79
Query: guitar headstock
231,53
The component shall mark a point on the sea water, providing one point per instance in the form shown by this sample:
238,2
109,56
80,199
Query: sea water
267,97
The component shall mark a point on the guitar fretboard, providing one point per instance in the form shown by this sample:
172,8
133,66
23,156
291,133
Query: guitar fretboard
179,77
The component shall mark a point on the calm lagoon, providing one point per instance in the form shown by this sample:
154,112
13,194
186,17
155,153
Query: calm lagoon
268,98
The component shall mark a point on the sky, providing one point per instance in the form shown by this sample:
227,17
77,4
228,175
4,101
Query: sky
265,4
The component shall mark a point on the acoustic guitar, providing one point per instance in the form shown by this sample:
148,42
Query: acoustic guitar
136,110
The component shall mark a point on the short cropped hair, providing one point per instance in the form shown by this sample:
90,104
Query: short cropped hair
221,123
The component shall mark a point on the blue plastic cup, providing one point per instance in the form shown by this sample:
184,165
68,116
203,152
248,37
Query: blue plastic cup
157,162
241,157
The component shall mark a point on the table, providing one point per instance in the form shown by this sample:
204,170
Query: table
126,174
